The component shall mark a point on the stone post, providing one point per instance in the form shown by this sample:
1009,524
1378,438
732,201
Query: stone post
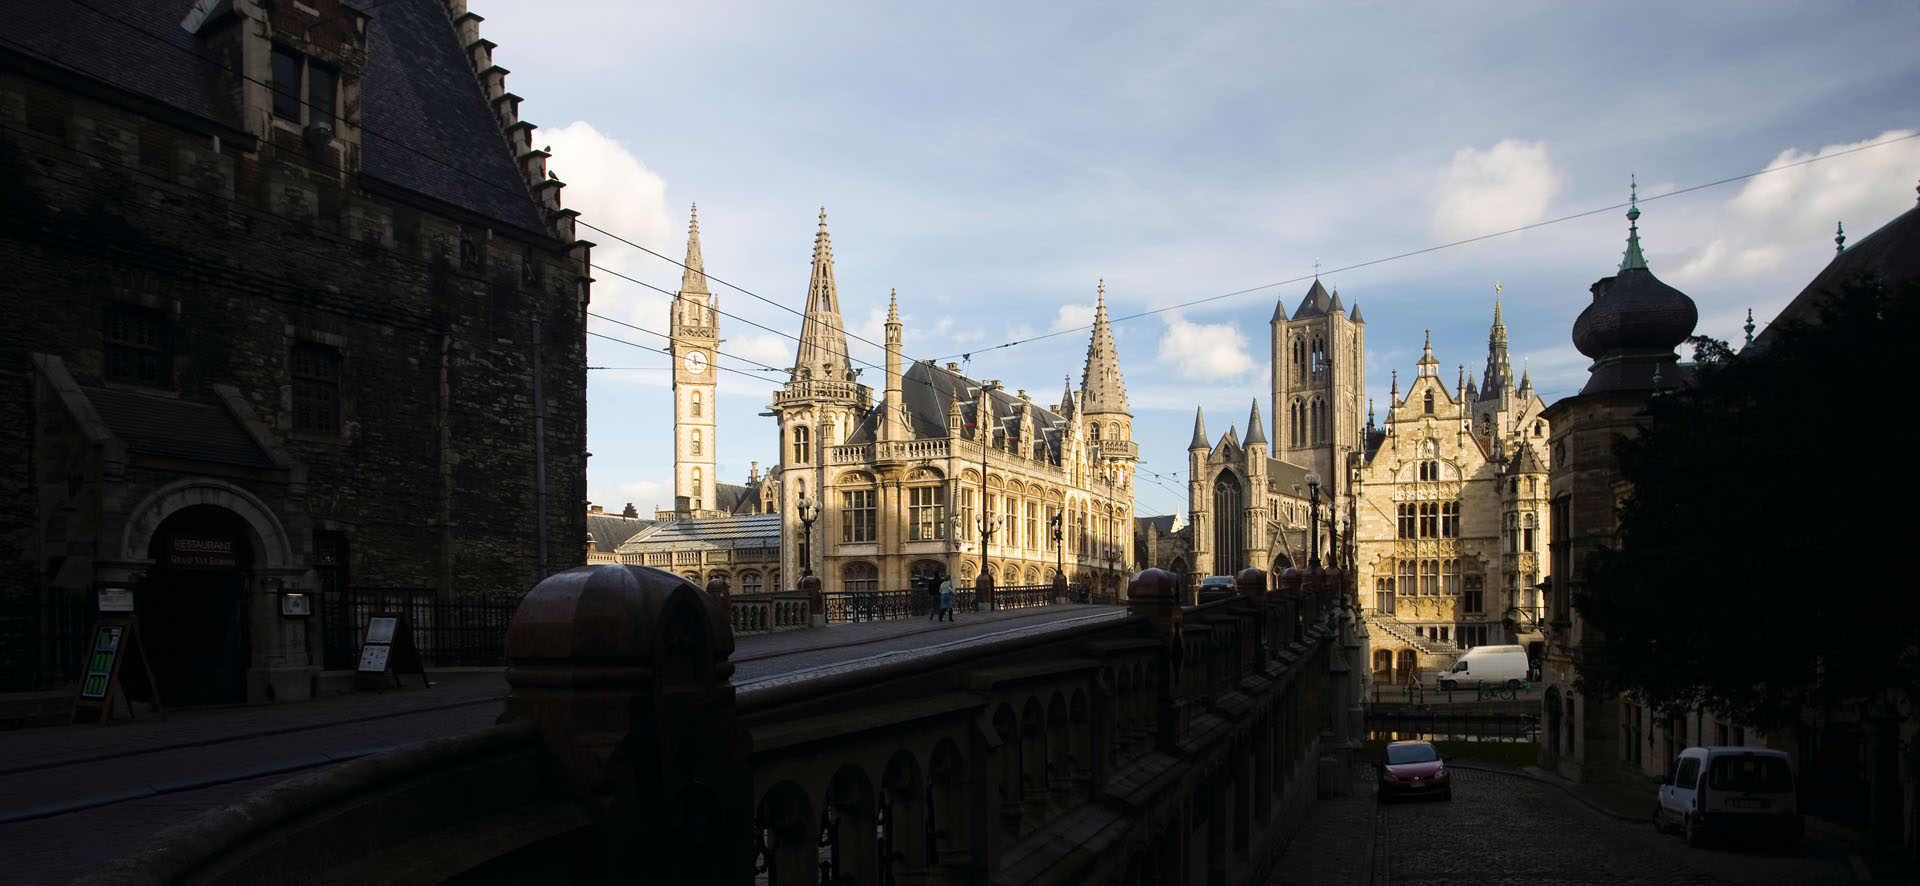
1293,594
816,600
983,592
721,591
625,672
1060,587
1251,583
1155,593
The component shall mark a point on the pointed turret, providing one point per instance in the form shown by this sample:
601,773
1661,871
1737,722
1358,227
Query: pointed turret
1316,303
1102,390
1499,374
1199,440
694,278
1428,365
1356,313
1255,433
896,426
823,338
1066,409
1336,307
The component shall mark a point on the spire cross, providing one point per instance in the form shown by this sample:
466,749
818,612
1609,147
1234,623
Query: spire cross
1316,267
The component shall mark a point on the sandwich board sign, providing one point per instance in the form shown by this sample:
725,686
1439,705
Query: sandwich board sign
387,649
113,647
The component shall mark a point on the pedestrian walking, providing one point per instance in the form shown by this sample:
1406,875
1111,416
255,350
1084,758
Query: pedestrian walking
930,583
946,599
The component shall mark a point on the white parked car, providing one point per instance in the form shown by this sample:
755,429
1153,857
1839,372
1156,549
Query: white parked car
1715,791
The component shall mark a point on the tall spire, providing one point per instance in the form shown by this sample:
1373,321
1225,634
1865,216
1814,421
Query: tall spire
823,337
694,279
1499,375
1428,365
1102,389
1066,400
1199,440
1255,431
1633,259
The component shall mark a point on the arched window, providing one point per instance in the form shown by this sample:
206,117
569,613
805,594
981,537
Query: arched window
1093,432
1299,359
749,582
1319,356
1429,578
1113,430
1429,402
860,577
1319,420
696,442
1406,583
1229,530
1297,423
1536,429
802,445
696,403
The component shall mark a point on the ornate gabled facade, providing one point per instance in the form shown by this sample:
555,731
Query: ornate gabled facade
1451,510
944,474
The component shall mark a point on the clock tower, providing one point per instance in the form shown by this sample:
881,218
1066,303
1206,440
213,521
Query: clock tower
695,346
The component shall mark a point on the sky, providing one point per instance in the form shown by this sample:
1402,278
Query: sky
992,162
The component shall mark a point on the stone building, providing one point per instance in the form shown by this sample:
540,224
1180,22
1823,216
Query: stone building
1251,500
1630,331
296,315
944,474
743,549
1451,515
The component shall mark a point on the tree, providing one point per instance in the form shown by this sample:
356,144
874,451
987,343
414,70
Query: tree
1758,572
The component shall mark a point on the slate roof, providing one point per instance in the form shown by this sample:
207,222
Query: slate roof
1892,253
926,391
609,531
426,125
1316,303
730,496
164,427
750,531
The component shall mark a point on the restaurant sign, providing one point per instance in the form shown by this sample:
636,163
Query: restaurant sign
200,552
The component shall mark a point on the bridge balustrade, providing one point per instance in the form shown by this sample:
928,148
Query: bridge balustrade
1178,744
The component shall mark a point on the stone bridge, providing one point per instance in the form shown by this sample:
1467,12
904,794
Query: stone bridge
1177,743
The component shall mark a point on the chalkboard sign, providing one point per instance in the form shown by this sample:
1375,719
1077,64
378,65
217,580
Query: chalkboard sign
114,644
387,648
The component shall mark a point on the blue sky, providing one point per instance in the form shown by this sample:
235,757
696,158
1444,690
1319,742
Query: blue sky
992,161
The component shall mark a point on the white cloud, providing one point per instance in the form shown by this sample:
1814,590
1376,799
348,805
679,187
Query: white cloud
765,348
613,190
1204,351
1505,186
1072,317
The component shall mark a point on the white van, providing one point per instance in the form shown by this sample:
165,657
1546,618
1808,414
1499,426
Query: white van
1723,790
1486,665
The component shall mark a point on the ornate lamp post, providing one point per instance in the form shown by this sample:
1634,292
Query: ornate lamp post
809,511
1313,520
1059,553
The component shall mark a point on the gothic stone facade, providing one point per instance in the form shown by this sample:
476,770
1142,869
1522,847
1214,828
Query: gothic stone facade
280,278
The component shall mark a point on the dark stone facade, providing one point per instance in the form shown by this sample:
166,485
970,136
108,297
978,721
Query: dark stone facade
227,325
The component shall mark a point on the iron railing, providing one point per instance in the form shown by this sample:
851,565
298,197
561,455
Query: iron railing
43,634
459,632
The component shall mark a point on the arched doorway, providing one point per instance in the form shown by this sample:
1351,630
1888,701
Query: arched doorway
1383,666
1409,664
193,606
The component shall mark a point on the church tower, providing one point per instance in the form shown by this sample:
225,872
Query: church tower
1109,423
816,409
1319,385
1494,408
694,344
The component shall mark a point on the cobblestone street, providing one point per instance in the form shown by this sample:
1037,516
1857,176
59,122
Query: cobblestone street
1505,828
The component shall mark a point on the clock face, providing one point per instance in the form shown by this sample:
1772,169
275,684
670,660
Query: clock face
696,362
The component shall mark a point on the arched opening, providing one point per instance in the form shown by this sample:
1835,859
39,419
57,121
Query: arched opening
903,818
193,605
1383,666
1409,664
946,828
1229,529
788,848
849,829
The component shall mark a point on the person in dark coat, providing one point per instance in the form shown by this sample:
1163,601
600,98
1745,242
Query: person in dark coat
930,584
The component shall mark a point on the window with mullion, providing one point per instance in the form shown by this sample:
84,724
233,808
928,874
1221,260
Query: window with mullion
288,66
927,507
856,515
135,346
315,373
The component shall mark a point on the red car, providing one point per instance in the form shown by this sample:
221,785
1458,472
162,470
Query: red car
1414,769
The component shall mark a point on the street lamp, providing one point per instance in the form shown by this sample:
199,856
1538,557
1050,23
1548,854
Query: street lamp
1313,520
1059,553
809,512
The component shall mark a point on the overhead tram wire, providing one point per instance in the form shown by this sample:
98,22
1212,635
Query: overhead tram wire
1015,343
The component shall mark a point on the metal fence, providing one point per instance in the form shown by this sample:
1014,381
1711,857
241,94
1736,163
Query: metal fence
460,632
43,634
1453,724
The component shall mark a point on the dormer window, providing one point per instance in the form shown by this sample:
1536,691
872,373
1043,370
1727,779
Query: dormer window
295,75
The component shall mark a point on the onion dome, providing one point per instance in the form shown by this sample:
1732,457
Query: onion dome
1634,323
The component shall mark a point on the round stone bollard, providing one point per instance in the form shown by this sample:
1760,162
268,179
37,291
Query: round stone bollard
625,671
1155,593
816,600
983,593
721,591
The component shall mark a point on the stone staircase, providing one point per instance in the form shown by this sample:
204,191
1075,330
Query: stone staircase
1408,634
